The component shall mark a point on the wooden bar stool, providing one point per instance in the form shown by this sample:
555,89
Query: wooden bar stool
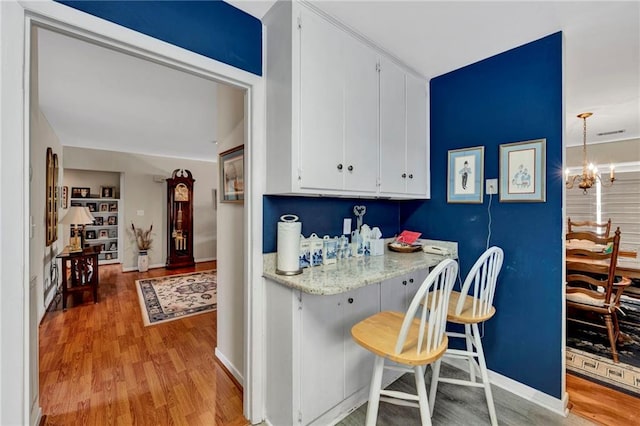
405,339
472,309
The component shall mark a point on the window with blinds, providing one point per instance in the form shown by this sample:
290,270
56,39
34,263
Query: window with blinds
620,202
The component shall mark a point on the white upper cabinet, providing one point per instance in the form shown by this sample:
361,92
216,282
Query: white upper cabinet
338,108
404,149
324,93
417,163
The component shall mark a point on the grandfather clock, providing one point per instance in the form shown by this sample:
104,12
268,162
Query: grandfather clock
180,219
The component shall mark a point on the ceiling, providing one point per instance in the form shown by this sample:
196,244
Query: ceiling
82,86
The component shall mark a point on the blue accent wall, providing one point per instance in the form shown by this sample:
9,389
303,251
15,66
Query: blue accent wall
214,29
323,215
514,96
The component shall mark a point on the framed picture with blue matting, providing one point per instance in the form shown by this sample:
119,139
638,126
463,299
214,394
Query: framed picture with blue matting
465,175
522,171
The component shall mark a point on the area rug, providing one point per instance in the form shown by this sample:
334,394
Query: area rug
589,356
173,297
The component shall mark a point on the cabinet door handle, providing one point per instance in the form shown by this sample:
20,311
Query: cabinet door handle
404,175
411,176
340,166
410,280
350,168
350,300
404,282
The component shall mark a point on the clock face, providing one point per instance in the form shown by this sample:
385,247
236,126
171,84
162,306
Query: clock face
181,192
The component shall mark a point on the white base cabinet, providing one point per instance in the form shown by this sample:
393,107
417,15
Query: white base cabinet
325,95
315,371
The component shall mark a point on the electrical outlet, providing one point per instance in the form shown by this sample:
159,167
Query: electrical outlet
492,186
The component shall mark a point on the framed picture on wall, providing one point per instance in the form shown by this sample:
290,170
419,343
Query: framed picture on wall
465,175
107,191
80,192
231,165
65,197
522,171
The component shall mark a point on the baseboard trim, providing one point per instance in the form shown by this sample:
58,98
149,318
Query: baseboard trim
38,418
162,265
558,406
135,268
231,370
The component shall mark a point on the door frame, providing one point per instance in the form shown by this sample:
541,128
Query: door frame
17,18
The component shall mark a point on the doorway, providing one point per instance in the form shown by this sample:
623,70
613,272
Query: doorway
16,162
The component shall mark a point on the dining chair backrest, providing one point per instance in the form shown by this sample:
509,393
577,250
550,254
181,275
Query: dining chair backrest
597,273
433,315
601,229
483,276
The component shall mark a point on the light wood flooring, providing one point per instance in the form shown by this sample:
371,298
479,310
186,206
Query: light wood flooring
601,404
100,365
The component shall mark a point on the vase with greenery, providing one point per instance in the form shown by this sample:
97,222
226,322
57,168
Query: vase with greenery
143,241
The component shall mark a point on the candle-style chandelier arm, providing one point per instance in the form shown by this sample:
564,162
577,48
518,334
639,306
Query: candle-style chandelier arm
589,174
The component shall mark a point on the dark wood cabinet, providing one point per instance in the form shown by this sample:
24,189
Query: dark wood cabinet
180,219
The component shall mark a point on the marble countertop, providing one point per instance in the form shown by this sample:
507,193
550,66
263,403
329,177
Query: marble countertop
355,272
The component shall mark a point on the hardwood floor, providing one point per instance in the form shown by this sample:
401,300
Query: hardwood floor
99,365
601,404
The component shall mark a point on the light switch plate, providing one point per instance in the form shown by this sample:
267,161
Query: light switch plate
492,186
140,212
346,226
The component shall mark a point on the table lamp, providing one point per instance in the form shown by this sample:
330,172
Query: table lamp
76,215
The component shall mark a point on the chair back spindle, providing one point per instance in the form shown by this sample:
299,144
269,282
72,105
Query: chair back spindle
433,315
483,276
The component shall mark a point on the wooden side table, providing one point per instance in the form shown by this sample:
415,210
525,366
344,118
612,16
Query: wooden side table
79,272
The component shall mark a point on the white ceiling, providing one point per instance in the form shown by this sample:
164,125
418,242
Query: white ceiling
95,97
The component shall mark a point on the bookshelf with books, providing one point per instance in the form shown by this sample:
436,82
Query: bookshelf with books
105,230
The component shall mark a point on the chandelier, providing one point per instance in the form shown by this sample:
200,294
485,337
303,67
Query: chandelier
589,173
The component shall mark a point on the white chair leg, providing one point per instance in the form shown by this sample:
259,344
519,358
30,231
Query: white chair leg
485,375
422,395
374,391
435,375
468,336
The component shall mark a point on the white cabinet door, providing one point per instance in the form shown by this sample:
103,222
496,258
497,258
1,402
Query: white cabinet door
322,355
321,103
358,362
414,281
393,174
361,116
417,139
393,295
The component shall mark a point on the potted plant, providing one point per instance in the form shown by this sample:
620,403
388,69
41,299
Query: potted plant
143,241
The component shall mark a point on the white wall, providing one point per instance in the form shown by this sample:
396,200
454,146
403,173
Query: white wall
140,193
603,154
42,136
230,241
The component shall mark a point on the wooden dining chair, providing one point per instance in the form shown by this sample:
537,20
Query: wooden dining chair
602,229
591,284
469,307
409,341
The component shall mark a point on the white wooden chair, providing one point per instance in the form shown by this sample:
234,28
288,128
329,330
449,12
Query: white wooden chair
411,341
472,309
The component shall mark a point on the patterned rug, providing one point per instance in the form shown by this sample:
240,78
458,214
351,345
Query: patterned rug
588,354
177,296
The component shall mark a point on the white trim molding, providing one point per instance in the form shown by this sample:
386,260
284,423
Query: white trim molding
558,406
229,366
